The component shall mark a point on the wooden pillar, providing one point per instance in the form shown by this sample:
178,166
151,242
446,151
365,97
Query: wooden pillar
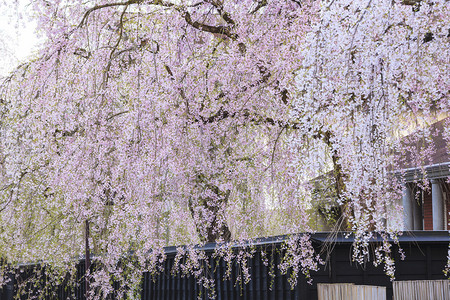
437,204
417,209
408,213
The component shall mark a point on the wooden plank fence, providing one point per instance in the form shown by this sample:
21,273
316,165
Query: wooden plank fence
350,291
422,290
426,257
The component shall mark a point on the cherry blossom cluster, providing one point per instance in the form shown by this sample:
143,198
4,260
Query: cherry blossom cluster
162,123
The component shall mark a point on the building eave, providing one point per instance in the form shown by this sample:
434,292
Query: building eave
435,171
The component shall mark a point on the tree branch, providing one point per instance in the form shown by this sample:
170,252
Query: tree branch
125,3
225,15
260,5
117,114
298,2
275,148
250,117
97,7
337,168
225,30
411,2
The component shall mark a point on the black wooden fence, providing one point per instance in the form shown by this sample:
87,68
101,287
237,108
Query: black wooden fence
426,256
30,281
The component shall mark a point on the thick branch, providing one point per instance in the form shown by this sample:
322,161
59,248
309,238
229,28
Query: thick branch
219,29
225,15
339,177
250,117
214,229
411,2
66,132
260,5
82,52
337,168
297,2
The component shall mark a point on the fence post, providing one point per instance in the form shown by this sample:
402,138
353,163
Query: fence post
87,260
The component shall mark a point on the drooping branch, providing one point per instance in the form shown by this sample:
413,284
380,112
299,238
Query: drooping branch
120,35
219,29
275,148
98,7
124,3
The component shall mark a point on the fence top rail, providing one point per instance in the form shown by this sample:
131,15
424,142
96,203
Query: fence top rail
421,236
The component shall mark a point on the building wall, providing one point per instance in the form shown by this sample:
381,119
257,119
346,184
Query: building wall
427,211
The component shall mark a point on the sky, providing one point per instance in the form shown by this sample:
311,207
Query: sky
18,38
